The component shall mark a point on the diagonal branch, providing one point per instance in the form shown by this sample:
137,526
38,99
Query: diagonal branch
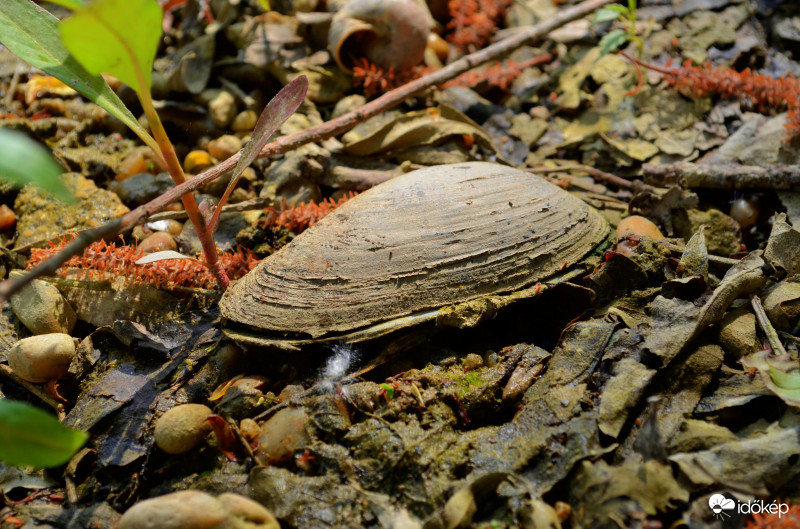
326,130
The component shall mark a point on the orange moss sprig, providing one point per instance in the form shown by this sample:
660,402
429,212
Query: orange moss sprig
474,21
298,219
762,92
376,80
103,261
500,74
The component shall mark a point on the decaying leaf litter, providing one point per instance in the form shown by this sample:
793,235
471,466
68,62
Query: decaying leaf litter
665,373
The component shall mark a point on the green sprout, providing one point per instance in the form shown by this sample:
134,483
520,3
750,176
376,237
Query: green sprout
614,39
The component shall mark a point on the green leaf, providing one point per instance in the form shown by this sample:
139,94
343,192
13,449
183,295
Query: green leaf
278,110
119,37
31,437
784,380
26,162
389,389
31,33
607,13
612,40
69,4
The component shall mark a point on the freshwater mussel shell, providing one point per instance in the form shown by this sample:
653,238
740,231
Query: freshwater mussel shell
398,252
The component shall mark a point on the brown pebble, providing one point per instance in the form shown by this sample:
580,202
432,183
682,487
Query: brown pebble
222,109
244,121
193,509
139,160
158,242
41,358
7,218
472,361
250,429
182,428
639,226
282,434
224,147
171,226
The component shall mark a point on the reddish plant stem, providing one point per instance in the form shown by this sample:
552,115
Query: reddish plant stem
639,76
204,233
647,65
326,130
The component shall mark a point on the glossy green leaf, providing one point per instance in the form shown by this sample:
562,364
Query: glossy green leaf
607,13
119,37
26,162
278,110
612,40
31,33
31,437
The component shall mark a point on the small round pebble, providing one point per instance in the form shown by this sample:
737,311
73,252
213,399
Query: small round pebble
282,434
244,121
42,358
472,361
637,225
222,109
42,309
224,147
193,509
157,242
182,428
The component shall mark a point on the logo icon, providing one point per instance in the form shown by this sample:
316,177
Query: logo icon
719,504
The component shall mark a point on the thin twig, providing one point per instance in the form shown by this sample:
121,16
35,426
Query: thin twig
597,174
723,176
247,205
766,326
320,132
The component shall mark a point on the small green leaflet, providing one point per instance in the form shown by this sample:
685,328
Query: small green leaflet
26,162
119,37
611,12
31,33
31,437
612,40
389,391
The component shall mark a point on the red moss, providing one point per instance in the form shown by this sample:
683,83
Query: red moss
499,74
762,92
376,80
474,21
298,219
790,520
102,261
